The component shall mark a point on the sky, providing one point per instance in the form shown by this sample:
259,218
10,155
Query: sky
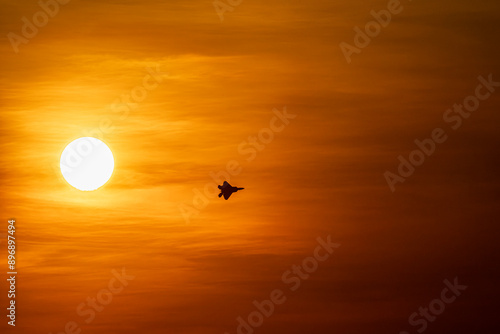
178,90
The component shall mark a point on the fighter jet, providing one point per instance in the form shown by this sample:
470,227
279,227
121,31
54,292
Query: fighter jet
227,190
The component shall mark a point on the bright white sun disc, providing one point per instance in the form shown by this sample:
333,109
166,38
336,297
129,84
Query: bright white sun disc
87,163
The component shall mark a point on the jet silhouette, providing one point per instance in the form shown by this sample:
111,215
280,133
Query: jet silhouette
227,190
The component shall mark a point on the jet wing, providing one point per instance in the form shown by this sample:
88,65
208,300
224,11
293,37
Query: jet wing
227,194
225,184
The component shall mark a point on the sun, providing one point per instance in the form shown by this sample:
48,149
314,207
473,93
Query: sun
87,163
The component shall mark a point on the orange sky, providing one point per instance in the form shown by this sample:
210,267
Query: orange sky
322,175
